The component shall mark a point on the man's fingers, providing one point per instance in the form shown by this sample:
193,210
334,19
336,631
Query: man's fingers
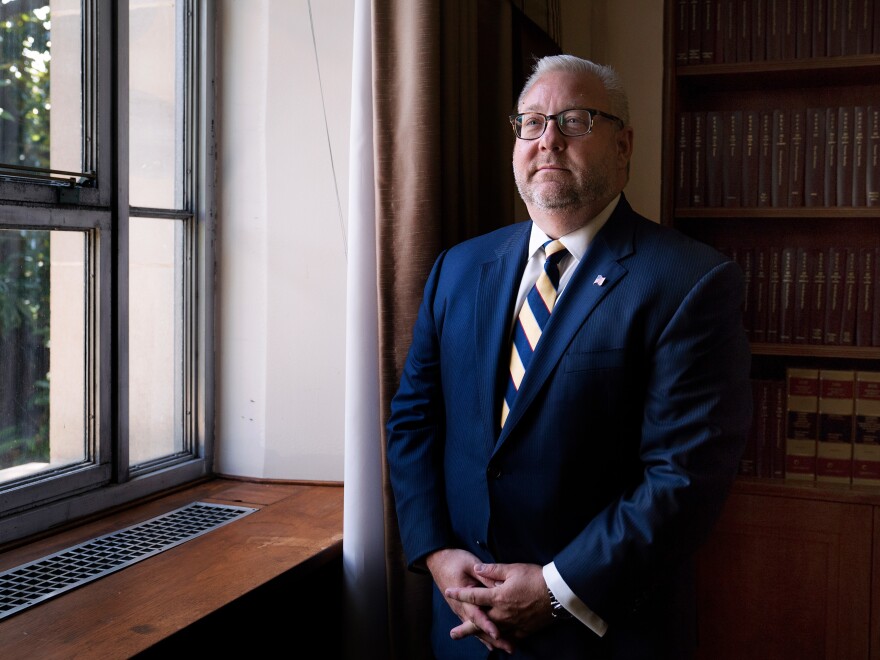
472,595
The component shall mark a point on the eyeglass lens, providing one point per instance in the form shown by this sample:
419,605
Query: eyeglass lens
531,125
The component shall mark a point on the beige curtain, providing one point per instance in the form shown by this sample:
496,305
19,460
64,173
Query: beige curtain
443,81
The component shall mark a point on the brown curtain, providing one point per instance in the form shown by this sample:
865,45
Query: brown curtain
443,86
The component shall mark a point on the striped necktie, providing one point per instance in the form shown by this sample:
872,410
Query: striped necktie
531,321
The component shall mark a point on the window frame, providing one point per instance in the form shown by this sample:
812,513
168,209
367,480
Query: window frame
51,499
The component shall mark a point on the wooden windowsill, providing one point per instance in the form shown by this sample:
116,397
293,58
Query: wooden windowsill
298,528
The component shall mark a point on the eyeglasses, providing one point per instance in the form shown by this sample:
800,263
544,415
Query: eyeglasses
574,122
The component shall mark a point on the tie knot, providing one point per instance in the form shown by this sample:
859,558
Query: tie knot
554,250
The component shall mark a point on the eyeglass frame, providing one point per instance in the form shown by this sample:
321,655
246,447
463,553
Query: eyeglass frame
557,118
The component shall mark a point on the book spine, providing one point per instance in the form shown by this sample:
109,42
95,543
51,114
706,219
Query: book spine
748,462
682,22
694,32
801,427
759,30
745,259
866,433
732,164
834,294
814,158
714,155
817,306
775,21
708,34
834,448
848,28
777,456
872,155
698,158
726,24
834,28
865,26
774,288
849,301
744,31
761,284
750,148
786,294
803,278
859,156
820,33
831,137
763,440
797,159
683,161
844,156
804,17
865,296
788,27
780,163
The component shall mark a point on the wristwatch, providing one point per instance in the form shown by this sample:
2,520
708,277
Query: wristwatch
557,611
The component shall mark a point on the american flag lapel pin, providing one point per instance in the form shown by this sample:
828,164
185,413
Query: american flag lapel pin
600,280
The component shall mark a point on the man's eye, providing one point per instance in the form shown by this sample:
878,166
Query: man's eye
532,120
575,120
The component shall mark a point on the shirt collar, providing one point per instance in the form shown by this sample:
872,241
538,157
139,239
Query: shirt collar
577,241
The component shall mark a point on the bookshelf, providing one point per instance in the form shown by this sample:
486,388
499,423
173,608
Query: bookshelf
771,114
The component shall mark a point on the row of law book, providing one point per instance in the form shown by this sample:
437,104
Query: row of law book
798,157
730,31
832,426
797,294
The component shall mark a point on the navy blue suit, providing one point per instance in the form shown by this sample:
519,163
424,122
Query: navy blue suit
621,444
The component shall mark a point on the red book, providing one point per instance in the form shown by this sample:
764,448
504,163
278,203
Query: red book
731,161
831,120
866,434
859,156
834,447
849,301
714,158
844,156
817,306
834,294
872,155
797,160
814,158
750,148
683,161
803,279
867,278
801,427
787,268
780,158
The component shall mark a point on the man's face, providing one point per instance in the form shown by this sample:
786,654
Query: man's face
557,172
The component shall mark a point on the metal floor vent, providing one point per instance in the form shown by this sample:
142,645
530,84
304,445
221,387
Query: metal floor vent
28,584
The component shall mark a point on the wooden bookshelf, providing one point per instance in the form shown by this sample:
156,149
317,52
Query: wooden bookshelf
793,569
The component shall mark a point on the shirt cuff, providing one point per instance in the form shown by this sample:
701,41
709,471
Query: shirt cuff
571,602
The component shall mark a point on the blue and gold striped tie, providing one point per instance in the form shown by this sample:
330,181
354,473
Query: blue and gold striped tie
531,321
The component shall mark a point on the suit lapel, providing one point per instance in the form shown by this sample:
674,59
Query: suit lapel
595,277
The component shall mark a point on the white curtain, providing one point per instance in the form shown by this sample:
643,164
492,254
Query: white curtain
363,553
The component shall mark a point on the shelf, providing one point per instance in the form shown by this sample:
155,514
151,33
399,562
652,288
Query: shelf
807,490
769,213
817,351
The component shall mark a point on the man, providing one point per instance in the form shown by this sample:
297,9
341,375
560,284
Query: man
557,498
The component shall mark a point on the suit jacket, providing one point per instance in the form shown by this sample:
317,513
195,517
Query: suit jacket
619,449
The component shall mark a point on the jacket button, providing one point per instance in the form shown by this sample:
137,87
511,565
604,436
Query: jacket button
494,472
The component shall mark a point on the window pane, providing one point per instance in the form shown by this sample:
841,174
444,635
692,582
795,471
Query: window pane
39,39
156,338
42,351
155,77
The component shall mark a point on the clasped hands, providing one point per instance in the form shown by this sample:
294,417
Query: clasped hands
497,603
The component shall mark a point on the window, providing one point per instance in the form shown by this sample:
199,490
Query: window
105,212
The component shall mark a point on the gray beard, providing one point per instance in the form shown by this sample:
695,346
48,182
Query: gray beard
588,190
